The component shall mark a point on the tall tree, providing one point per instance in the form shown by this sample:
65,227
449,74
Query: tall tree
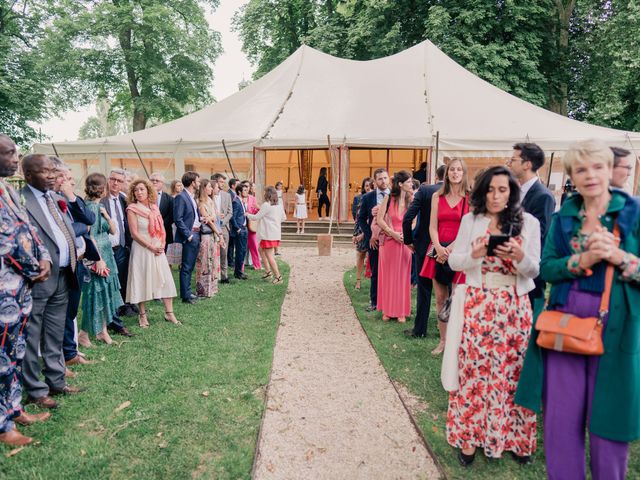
151,59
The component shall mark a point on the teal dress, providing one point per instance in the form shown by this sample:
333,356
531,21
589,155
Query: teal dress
100,295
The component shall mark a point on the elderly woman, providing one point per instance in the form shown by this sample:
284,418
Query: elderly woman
496,323
598,394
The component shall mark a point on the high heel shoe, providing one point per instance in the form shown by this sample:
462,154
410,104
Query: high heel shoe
171,318
142,320
83,339
104,337
266,275
277,280
402,320
466,460
438,350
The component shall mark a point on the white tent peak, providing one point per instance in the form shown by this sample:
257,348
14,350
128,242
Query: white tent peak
398,101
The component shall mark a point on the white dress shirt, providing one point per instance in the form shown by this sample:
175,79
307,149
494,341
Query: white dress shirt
196,218
61,240
380,194
114,203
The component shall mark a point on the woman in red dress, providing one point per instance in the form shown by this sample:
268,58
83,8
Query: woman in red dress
448,206
394,262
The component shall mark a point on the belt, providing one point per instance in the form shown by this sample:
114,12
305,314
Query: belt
497,280
196,229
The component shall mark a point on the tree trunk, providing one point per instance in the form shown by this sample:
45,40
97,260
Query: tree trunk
559,93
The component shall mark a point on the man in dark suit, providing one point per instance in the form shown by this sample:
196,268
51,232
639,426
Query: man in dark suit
419,242
231,246
165,205
238,229
116,206
536,199
187,220
368,210
45,329
421,173
81,219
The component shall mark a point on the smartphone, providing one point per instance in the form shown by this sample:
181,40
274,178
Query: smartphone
494,241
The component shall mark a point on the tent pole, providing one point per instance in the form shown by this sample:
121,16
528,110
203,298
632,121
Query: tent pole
226,154
387,160
254,164
55,150
140,158
333,203
550,168
437,148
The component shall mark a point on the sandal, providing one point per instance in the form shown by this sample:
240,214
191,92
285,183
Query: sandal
142,320
171,318
357,287
438,350
266,275
277,280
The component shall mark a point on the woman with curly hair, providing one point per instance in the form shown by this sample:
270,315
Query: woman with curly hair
498,249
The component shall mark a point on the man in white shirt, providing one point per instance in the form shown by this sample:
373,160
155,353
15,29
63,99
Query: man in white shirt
116,206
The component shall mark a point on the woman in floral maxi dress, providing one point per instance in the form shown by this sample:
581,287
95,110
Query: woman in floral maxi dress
497,323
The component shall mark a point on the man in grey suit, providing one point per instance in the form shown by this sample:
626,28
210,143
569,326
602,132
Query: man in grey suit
45,328
225,207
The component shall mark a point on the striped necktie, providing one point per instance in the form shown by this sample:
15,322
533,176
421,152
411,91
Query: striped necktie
68,236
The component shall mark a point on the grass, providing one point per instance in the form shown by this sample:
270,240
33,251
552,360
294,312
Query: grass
196,393
409,362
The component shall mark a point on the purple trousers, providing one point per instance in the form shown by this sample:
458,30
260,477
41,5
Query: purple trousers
568,391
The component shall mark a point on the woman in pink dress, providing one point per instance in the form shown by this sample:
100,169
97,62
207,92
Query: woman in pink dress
394,261
448,206
252,240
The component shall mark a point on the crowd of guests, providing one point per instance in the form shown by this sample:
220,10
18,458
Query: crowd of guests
488,247
110,253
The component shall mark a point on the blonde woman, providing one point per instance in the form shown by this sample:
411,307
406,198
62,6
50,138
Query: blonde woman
448,206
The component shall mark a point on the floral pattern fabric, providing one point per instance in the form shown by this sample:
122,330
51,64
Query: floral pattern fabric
482,413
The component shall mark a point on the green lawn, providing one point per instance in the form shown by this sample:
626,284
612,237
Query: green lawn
196,393
409,362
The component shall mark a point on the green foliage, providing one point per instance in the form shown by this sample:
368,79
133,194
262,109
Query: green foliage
151,59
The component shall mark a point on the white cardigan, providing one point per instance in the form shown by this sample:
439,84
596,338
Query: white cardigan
269,219
474,226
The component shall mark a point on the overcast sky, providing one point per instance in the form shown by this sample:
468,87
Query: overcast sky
230,68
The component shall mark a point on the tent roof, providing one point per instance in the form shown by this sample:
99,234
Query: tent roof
397,101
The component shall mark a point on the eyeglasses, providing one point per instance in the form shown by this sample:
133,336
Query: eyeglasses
115,180
628,168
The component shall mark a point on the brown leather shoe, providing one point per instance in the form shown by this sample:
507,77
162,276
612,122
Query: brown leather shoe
66,390
26,419
43,402
78,360
15,439
69,374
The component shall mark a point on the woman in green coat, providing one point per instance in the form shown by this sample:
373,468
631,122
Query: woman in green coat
600,394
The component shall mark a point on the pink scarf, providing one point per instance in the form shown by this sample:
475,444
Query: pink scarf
156,226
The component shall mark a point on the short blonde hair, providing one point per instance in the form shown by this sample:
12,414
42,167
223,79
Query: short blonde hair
587,151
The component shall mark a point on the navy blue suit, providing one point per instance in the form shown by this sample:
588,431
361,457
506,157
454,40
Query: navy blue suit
540,203
420,239
365,217
238,236
183,217
82,218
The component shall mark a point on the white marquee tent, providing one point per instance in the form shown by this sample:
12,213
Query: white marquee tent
401,101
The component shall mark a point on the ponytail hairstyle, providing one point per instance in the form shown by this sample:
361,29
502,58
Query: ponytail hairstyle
511,218
300,190
398,178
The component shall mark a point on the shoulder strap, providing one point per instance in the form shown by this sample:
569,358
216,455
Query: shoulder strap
608,281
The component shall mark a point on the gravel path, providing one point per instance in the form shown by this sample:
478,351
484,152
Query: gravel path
332,412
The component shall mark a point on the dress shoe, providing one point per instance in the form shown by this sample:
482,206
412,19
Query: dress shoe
190,301
15,439
411,334
521,459
241,276
119,331
225,280
466,460
78,360
26,419
66,390
371,308
43,402
69,374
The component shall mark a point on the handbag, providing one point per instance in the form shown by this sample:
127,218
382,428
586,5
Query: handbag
205,229
568,333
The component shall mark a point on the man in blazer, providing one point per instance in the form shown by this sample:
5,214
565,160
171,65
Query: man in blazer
165,205
421,207
116,206
81,220
238,229
187,220
368,211
225,209
45,329
536,199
